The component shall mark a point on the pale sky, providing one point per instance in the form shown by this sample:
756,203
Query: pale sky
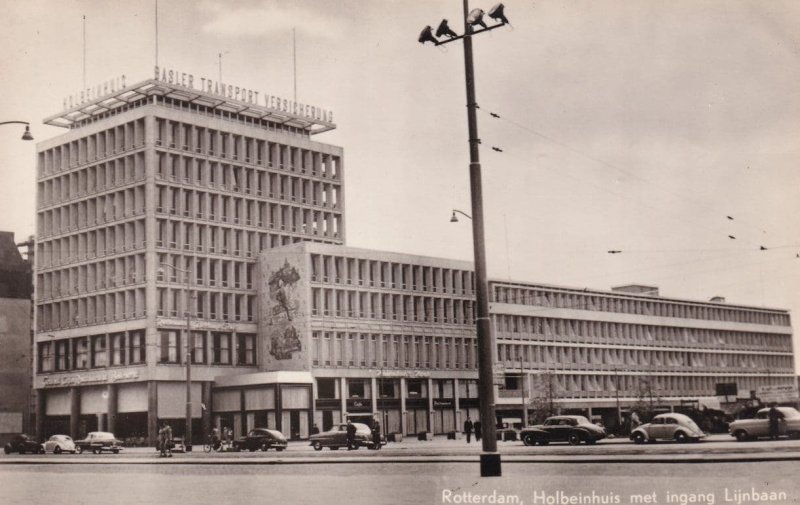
633,126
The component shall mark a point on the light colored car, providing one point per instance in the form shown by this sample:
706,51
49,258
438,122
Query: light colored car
60,443
669,426
750,429
99,441
337,437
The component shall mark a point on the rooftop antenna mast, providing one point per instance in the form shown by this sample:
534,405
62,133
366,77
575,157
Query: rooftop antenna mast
294,60
156,21
84,51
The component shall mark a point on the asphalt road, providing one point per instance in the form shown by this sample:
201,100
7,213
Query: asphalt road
399,483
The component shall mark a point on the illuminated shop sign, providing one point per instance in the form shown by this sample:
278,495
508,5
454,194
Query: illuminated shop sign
242,94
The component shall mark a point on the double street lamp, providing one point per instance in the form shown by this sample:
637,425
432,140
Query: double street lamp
188,360
25,136
490,458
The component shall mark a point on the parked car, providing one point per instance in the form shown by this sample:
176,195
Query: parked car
60,443
260,438
669,426
571,429
750,429
23,443
99,441
337,437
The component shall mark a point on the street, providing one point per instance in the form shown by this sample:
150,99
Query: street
715,471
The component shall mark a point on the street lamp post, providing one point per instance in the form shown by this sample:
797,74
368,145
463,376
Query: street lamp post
490,458
25,136
188,355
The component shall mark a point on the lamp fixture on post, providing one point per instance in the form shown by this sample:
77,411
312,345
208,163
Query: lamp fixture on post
25,136
490,464
188,356
454,218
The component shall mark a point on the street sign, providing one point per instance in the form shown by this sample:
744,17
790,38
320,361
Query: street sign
777,393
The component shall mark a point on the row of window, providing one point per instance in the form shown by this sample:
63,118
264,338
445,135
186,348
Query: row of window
537,296
527,327
343,349
116,305
95,351
91,180
92,147
208,305
548,356
368,272
390,306
95,276
273,216
221,144
390,388
109,240
208,348
91,212
244,180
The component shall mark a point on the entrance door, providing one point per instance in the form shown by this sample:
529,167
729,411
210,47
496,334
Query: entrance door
327,420
294,424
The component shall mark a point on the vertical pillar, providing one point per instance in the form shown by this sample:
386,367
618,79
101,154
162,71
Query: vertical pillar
279,409
430,405
41,412
152,412
74,412
112,407
403,413
375,394
343,398
205,388
456,404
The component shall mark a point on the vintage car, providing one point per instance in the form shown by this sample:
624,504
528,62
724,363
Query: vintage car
751,429
99,441
571,429
23,443
669,426
59,443
260,438
337,437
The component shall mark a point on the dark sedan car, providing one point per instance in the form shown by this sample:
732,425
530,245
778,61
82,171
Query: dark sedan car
23,443
260,438
337,437
99,441
571,429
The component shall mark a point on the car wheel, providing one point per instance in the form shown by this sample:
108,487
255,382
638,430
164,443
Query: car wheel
638,438
115,451
95,451
317,446
21,450
57,450
529,440
573,439
7,449
742,436
41,449
681,437
279,449
79,450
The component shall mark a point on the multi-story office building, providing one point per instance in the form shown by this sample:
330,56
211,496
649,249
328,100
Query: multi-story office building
372,333
157,191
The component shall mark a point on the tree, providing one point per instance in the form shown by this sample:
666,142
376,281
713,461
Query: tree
543,396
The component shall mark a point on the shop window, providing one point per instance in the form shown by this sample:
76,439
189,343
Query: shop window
168,347
137,347
246,343
81,353
355,388
326,389
46,356
98,349
386,388
415,389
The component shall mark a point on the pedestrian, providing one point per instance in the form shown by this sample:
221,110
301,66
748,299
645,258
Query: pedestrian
351,436
314,429
376,434
468,429
635,422
165,440
775,417
476,426
215,441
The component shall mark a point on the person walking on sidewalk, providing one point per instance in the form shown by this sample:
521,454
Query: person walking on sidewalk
165,440
478,433
775,417
351,436
468,429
